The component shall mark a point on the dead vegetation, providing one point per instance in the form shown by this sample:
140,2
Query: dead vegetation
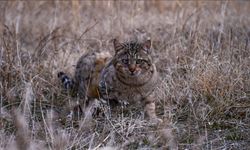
202,52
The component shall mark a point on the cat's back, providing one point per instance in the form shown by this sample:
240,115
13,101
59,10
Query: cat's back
91,61
88,70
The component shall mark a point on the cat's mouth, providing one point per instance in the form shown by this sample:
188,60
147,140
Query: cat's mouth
134,73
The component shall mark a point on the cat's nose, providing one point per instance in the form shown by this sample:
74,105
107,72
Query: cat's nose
132,68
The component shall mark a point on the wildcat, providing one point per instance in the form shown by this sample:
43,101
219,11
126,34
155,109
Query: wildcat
130,76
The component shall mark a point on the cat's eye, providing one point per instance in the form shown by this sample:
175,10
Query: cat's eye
125,61
139,61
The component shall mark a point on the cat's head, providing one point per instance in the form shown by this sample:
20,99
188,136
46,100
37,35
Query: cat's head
133,61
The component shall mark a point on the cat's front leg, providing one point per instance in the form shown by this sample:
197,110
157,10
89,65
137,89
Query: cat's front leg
149,108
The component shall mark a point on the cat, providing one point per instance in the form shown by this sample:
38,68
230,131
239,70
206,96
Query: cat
130,76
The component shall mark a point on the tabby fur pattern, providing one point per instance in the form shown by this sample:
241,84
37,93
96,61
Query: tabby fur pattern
130,76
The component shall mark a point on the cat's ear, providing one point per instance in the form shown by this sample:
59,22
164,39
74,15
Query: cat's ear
147,46
117,45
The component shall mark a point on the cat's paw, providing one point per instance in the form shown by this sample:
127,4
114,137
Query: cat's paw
155,120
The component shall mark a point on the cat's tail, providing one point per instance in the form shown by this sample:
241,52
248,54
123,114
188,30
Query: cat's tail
67,82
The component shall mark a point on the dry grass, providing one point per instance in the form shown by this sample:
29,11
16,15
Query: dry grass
202,52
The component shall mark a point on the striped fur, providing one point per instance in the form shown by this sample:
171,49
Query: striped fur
130,76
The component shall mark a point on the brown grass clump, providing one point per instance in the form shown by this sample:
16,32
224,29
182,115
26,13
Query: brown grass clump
202,52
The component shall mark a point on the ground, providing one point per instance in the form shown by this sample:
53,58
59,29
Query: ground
201,50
